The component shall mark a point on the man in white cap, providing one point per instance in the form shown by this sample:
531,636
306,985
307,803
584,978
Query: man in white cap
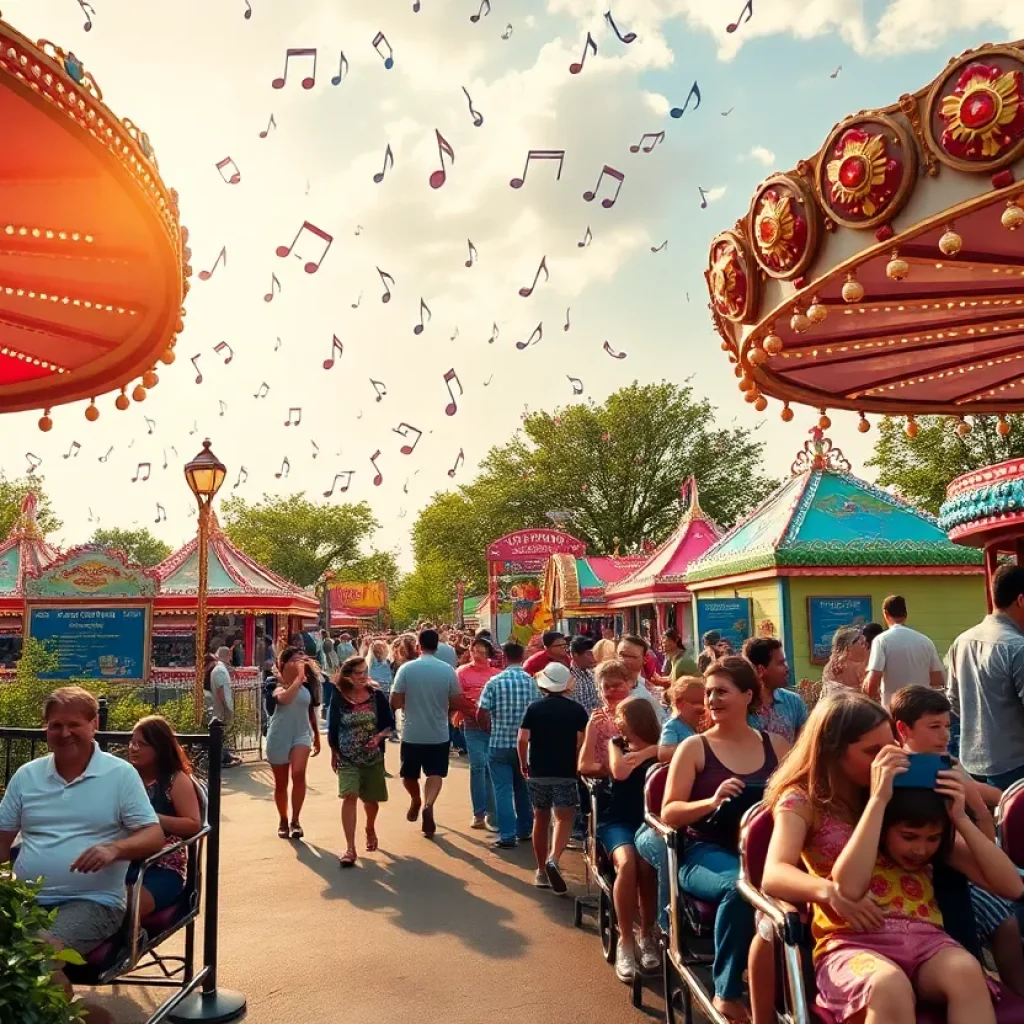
549,743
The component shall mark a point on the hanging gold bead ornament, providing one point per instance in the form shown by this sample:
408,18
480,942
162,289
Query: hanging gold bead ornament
863,426
799,322
950,243
752,395
746,383
45,423
757,356
761,404
92,414
963,428
1003,427
853,290
773,344
138,393
816,312
787,413
823,420
897,268
121,402
911,428
1013,216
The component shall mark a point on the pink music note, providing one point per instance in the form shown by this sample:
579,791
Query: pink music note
540,154
424,308
205,275
538,332
379,478
612,173
389,60
473,254
195,363
264,389
336,347
577,385
138,470
294,416
310,268
307,83
460,459
346,476
220,348
574,68
748,10
405,430
438,178
386,297
656,136
628,38
527,292
270,124
587,238
236,175
452,408
342,70
613,353
566,327
275,285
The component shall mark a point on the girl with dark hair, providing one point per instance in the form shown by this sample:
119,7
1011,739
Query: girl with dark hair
156,754
358,723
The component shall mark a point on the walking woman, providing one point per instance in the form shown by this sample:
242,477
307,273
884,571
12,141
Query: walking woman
291,734
358,724
472,678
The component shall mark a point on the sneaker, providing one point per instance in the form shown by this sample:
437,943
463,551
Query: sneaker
650,954
625,962
490,826
429,828
478,822
540,879
503,844
555,878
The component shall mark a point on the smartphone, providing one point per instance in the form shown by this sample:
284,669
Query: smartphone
923,771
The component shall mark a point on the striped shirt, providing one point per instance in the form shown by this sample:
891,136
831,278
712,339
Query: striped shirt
506,697
585,691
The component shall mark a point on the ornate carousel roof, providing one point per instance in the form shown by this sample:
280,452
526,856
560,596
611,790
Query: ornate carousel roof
579,585
986,507
93,261
885,272
824,519
23,553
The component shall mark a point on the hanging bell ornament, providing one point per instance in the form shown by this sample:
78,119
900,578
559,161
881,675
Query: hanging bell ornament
1013,216
963,428
896,269
121,401
757,356
863,426
752,395
911,428
950,243
823,421
761,404
746,383
168,357
92,414
853,290
1003,427
787,413
150,379
799,322
139,393
773,344
816,312
45,423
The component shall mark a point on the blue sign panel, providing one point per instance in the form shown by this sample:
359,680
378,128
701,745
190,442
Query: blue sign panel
827,614
93,642
729,615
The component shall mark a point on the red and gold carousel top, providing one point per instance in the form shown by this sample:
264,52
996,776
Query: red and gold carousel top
93,262
885,272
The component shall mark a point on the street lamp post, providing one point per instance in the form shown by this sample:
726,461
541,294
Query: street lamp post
205,474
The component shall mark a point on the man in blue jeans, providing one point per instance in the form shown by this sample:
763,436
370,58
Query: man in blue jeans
502,704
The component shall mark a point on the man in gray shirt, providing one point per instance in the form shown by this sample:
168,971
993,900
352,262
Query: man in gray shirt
986,685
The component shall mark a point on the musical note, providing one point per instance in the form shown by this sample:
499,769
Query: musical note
461,458
538,331
540,154
415,6
161,513
138,469
342,70
481,13
270,124
316,448
307,83
358,230
277,344
336,346
236,175
386,297
243,475
388,156
285,468
657,136
294,416
726,113
199,373
473,254
478,118
694,91
574,68
703,198
587,238
452,408
628,38
310,268
205,275
262,393
748,10
88,11
355,305
195,427
494,335
613,353
577,384
379,478
223,407
220,348
612,173
103,458
404,429
566,327
507,34
456,334
73,450
835,74
347,476
92,518
438,178
247,16
389,60
150,424
424,308
527,292
275,285
380,387
660,247
165,458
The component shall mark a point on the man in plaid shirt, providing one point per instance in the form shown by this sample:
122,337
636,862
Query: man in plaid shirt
503,703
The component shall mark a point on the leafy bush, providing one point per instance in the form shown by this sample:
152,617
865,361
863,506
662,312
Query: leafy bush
29,993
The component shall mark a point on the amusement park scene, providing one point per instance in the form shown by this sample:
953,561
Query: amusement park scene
512,512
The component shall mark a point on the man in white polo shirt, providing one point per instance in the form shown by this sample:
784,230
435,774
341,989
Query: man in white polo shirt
82,816
900,656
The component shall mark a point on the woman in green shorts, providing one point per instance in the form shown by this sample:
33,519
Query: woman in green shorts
359,721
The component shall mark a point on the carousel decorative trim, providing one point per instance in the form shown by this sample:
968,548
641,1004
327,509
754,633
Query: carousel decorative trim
783,225
731,277
819,454
90,570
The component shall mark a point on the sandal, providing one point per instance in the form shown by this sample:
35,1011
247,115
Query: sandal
297,832
348,859
283,831
371,841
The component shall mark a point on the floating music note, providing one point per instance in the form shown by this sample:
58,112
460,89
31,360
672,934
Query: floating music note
106,455
236,174
336,347
415,6
379,478
473,254
294,416
88,11
474,18
612,173
540,154
34,462
748,10
150,424
489,379
424,308
835,74
161,514
270,124
316,448
389,157
355,305
310,268
389,60
478,118
342,70
262,393
703,198
456,334
538,331
694,92
247,16
307,83
205,275
358,230
380,387
613,353
223,407
452,408
165,458
346,476
660,247
73,451
587,238
507,34
438,178
285,468
277,344
405,430
386,297
138,470
243,475
460,459
628,38
494,335
92,518
199,373
566,327
726,113
220,348
275,286
656,136
577,384
576,68
195,427
527,292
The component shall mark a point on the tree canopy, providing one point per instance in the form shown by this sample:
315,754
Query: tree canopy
12,493
139,545
425,593
920,468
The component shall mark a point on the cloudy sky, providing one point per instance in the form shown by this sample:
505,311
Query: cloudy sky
197,76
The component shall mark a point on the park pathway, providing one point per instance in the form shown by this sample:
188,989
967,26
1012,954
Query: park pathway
423,931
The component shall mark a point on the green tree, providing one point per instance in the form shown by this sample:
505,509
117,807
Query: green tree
139,545
425,593
12,492
921,467
378,565
616,468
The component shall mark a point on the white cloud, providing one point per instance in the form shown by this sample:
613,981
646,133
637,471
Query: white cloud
765,156
924,24
712,195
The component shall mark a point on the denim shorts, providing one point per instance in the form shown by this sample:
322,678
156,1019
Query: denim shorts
613,834
163,884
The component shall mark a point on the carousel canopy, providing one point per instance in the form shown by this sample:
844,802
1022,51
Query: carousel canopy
824,520
577,586
25,552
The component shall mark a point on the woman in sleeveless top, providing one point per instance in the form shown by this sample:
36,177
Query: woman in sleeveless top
706,771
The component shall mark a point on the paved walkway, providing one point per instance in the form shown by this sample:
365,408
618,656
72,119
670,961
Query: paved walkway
444,930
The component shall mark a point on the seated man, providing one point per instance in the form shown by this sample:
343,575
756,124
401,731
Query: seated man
82,816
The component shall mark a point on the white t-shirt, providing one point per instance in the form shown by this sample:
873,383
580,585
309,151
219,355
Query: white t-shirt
904,657
220,686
